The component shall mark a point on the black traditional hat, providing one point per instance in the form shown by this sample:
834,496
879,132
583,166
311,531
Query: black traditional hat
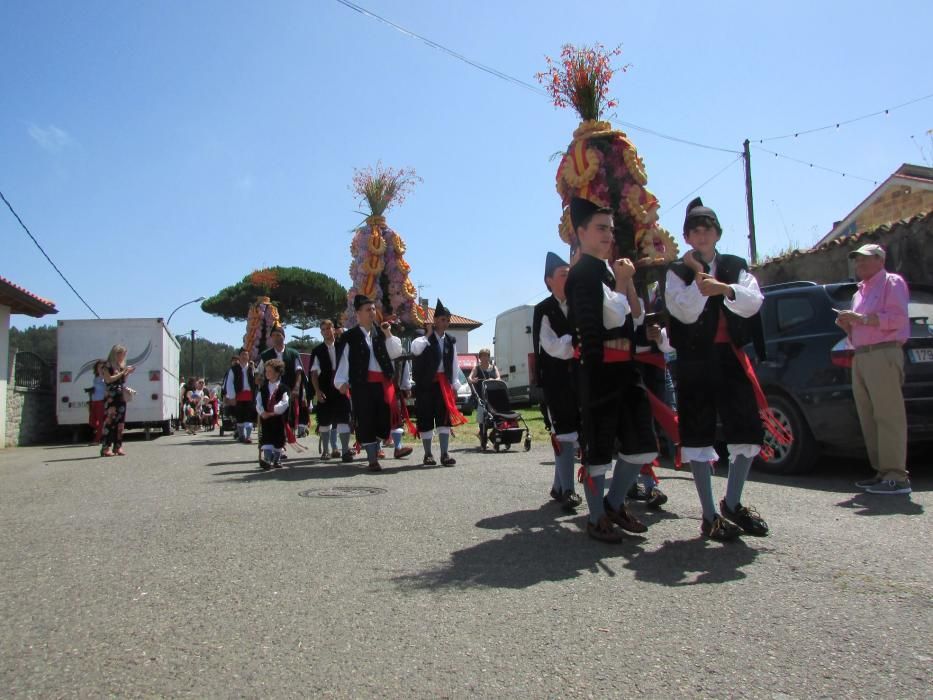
552,262
361,300
441,310
582,209
696,210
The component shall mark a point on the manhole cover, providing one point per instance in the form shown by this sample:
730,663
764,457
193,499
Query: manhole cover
343,492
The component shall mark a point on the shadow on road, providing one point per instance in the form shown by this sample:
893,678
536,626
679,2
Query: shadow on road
302,470
873,504
541,547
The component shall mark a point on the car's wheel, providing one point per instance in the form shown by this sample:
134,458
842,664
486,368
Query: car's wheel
800,455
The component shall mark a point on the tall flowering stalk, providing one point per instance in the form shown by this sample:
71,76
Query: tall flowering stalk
378,269
381,187
580,79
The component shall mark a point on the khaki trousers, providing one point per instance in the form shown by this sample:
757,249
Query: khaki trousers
877,378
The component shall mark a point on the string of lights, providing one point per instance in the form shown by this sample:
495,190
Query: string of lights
702,185
41,250
836,125
814,165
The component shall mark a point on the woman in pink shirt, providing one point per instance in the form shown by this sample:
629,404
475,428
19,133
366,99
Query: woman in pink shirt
878,326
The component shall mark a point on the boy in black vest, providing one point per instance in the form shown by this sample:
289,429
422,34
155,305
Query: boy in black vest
436,386
713,302
614,408
364,373
272,406
241,387
332,407
292,363
552,337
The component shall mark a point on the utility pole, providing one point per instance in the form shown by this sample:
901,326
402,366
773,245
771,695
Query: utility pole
192,351
750,205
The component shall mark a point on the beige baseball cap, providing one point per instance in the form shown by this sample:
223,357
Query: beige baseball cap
869,249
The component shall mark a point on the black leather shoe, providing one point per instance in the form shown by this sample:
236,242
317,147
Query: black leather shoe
746,518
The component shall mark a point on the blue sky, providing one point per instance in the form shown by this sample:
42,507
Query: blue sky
162,150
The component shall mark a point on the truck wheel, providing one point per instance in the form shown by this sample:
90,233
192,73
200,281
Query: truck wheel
798,457
166,427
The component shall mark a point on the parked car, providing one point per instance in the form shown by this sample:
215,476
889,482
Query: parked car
807,374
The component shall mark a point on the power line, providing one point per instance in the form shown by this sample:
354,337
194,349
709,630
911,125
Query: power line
703,184
818,167
836,125
441,47
29,233
673,138
509,78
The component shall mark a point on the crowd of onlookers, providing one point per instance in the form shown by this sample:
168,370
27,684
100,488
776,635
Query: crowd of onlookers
199,406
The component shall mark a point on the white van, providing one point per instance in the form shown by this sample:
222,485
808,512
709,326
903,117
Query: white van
515,352
150,347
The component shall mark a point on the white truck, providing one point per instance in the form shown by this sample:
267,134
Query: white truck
515,353
151,348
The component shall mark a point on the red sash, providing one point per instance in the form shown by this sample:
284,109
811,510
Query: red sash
245,395
450,401
771,424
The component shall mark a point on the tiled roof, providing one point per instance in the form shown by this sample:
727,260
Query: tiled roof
852,239
455,320
22,301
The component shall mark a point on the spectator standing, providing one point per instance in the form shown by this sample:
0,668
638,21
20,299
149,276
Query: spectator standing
96,409
114,374
878,326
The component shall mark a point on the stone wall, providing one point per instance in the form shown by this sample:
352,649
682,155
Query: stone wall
30,416
909,246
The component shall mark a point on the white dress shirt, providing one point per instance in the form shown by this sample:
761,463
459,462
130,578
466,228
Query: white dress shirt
332,351
558,347
686,302
280,407
342,375
419,345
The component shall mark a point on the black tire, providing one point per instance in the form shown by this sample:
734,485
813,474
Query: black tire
496,446
483,439
527,444
167,427
800,456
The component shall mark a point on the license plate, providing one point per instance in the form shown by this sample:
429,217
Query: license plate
921,354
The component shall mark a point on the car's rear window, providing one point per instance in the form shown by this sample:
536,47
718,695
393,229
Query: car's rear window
920,305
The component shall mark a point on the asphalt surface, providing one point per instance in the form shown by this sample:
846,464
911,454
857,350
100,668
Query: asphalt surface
182,571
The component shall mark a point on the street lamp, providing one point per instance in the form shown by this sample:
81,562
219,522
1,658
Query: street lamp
193,301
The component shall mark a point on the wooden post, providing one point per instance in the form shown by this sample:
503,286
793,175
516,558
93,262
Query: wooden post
750,205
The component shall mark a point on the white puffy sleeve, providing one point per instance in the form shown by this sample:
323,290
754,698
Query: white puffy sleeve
561,348
685,302
748,297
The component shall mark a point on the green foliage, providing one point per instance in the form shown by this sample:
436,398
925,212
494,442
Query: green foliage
211,360
303,297
42,340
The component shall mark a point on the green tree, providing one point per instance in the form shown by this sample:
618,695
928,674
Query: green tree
42,340
211,360
303,297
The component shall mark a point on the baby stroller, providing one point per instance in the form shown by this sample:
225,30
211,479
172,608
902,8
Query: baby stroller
500,425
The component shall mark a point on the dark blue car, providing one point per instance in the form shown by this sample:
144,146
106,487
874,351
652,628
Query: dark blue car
807,373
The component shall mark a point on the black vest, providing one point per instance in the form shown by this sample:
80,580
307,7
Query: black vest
689,338
353,342
585,297
279,393
321,353
425,365
550,372
238,378
289,357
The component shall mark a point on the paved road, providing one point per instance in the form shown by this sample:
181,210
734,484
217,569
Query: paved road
181,571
